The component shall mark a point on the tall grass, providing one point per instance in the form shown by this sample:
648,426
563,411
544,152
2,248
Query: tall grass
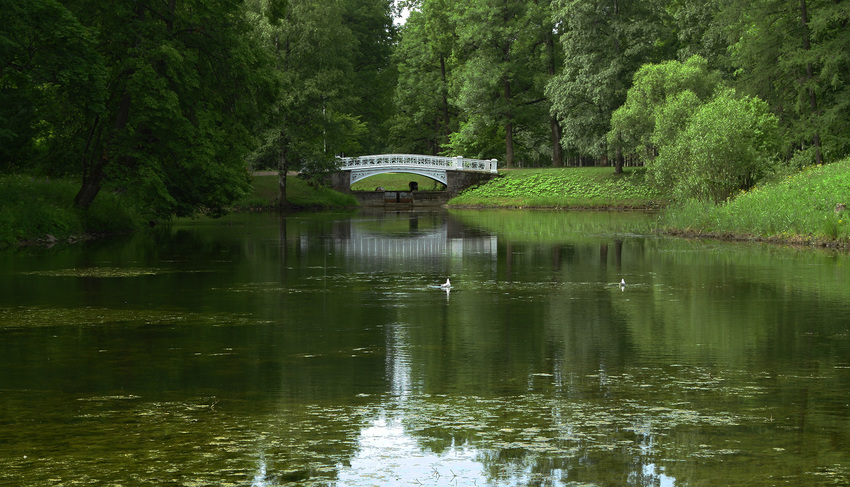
32,208
798,207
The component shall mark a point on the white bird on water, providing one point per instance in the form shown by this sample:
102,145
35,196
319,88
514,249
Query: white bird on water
446,285
622,283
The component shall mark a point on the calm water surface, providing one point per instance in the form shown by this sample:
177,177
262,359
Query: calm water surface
319,350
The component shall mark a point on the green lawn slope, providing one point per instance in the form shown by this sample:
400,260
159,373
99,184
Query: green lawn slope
397,182
579,187
299,195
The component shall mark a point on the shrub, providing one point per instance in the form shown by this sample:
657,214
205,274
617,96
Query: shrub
727,145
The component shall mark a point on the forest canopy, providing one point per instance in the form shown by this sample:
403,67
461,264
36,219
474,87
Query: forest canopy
175,101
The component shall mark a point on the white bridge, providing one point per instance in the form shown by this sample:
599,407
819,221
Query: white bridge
434,167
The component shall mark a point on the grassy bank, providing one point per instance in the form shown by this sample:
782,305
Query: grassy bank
299,194
800,208
804,207
585,187
37,208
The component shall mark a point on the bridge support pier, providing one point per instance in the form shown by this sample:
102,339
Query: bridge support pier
460,180
340,181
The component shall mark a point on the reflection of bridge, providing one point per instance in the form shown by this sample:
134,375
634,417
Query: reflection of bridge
456,173
374,248
371,248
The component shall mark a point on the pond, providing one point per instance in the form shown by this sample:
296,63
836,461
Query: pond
319,349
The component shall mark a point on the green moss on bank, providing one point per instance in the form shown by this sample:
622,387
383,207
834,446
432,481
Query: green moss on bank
575,187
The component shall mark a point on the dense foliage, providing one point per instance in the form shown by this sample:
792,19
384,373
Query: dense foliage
173,103
167,102
698,139
523,81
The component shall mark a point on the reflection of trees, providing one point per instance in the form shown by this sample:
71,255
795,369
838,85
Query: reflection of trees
684,328
505,342
214,315
540,440
497,340
539,362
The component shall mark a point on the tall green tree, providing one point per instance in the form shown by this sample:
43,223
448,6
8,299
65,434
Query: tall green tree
717,148
374,72
635,129
543,19
424,117
51,78
794,55
829,27
700,30
496,83
309,120
604,43
697,138
179,103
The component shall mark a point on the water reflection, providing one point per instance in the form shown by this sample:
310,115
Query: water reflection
388,456
481,441
260,479
390,242
399,360
318,350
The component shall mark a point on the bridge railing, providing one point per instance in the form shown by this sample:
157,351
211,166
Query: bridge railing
420,161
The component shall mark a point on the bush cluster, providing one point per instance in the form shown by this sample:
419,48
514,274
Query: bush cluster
697,138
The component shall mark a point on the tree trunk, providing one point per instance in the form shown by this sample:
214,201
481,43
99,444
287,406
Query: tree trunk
508,115
509,127
282,167
93,173
445,89
557,150
810,76
618,161
92,182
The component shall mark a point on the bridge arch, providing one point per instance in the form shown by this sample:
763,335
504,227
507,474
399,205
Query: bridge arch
437,175
455,172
